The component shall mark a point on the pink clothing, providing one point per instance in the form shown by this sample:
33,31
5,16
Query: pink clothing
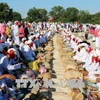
21,31
91,31
3,28
96,33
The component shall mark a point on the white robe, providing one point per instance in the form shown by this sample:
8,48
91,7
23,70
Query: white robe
98,40
91,66
16,35
82,55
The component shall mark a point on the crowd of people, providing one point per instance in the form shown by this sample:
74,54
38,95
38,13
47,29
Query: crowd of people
86,57
21,51
20,54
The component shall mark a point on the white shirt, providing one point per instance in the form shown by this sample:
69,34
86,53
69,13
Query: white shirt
28,53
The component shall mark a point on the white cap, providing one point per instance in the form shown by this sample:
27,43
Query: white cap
23,39
13,50
31,37
9,41
29,41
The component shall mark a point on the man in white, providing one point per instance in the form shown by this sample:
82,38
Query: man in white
82,54
16,33
5,64
7,67
27,51
22,43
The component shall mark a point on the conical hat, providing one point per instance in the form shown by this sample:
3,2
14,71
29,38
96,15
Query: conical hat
69,74
47,65
79,96
60,96
64,60
48,48
70,66
45,75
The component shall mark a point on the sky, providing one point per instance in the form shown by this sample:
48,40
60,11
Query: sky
22,6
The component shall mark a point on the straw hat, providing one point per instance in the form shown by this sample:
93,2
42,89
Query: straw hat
48,48
70,66
69,74
79,96
75,94
61,96
47,65
45,75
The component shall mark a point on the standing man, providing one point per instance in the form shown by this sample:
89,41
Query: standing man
16,33
26,31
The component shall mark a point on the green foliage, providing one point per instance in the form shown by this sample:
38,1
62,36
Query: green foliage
95,19
57,13
70,14
84,16
7,14
16,16
4,11
37,15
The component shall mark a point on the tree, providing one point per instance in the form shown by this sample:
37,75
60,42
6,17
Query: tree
84,16
71,14
43,14
16,16
4,12
37,15
95,18
57,13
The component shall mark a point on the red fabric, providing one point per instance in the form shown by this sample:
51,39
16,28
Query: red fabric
96,33
78,49
93,59
20,24
30,45
12,55
73,39
0,41
21,31
76,41
89,49
91,31
96,59
16,23
89,98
